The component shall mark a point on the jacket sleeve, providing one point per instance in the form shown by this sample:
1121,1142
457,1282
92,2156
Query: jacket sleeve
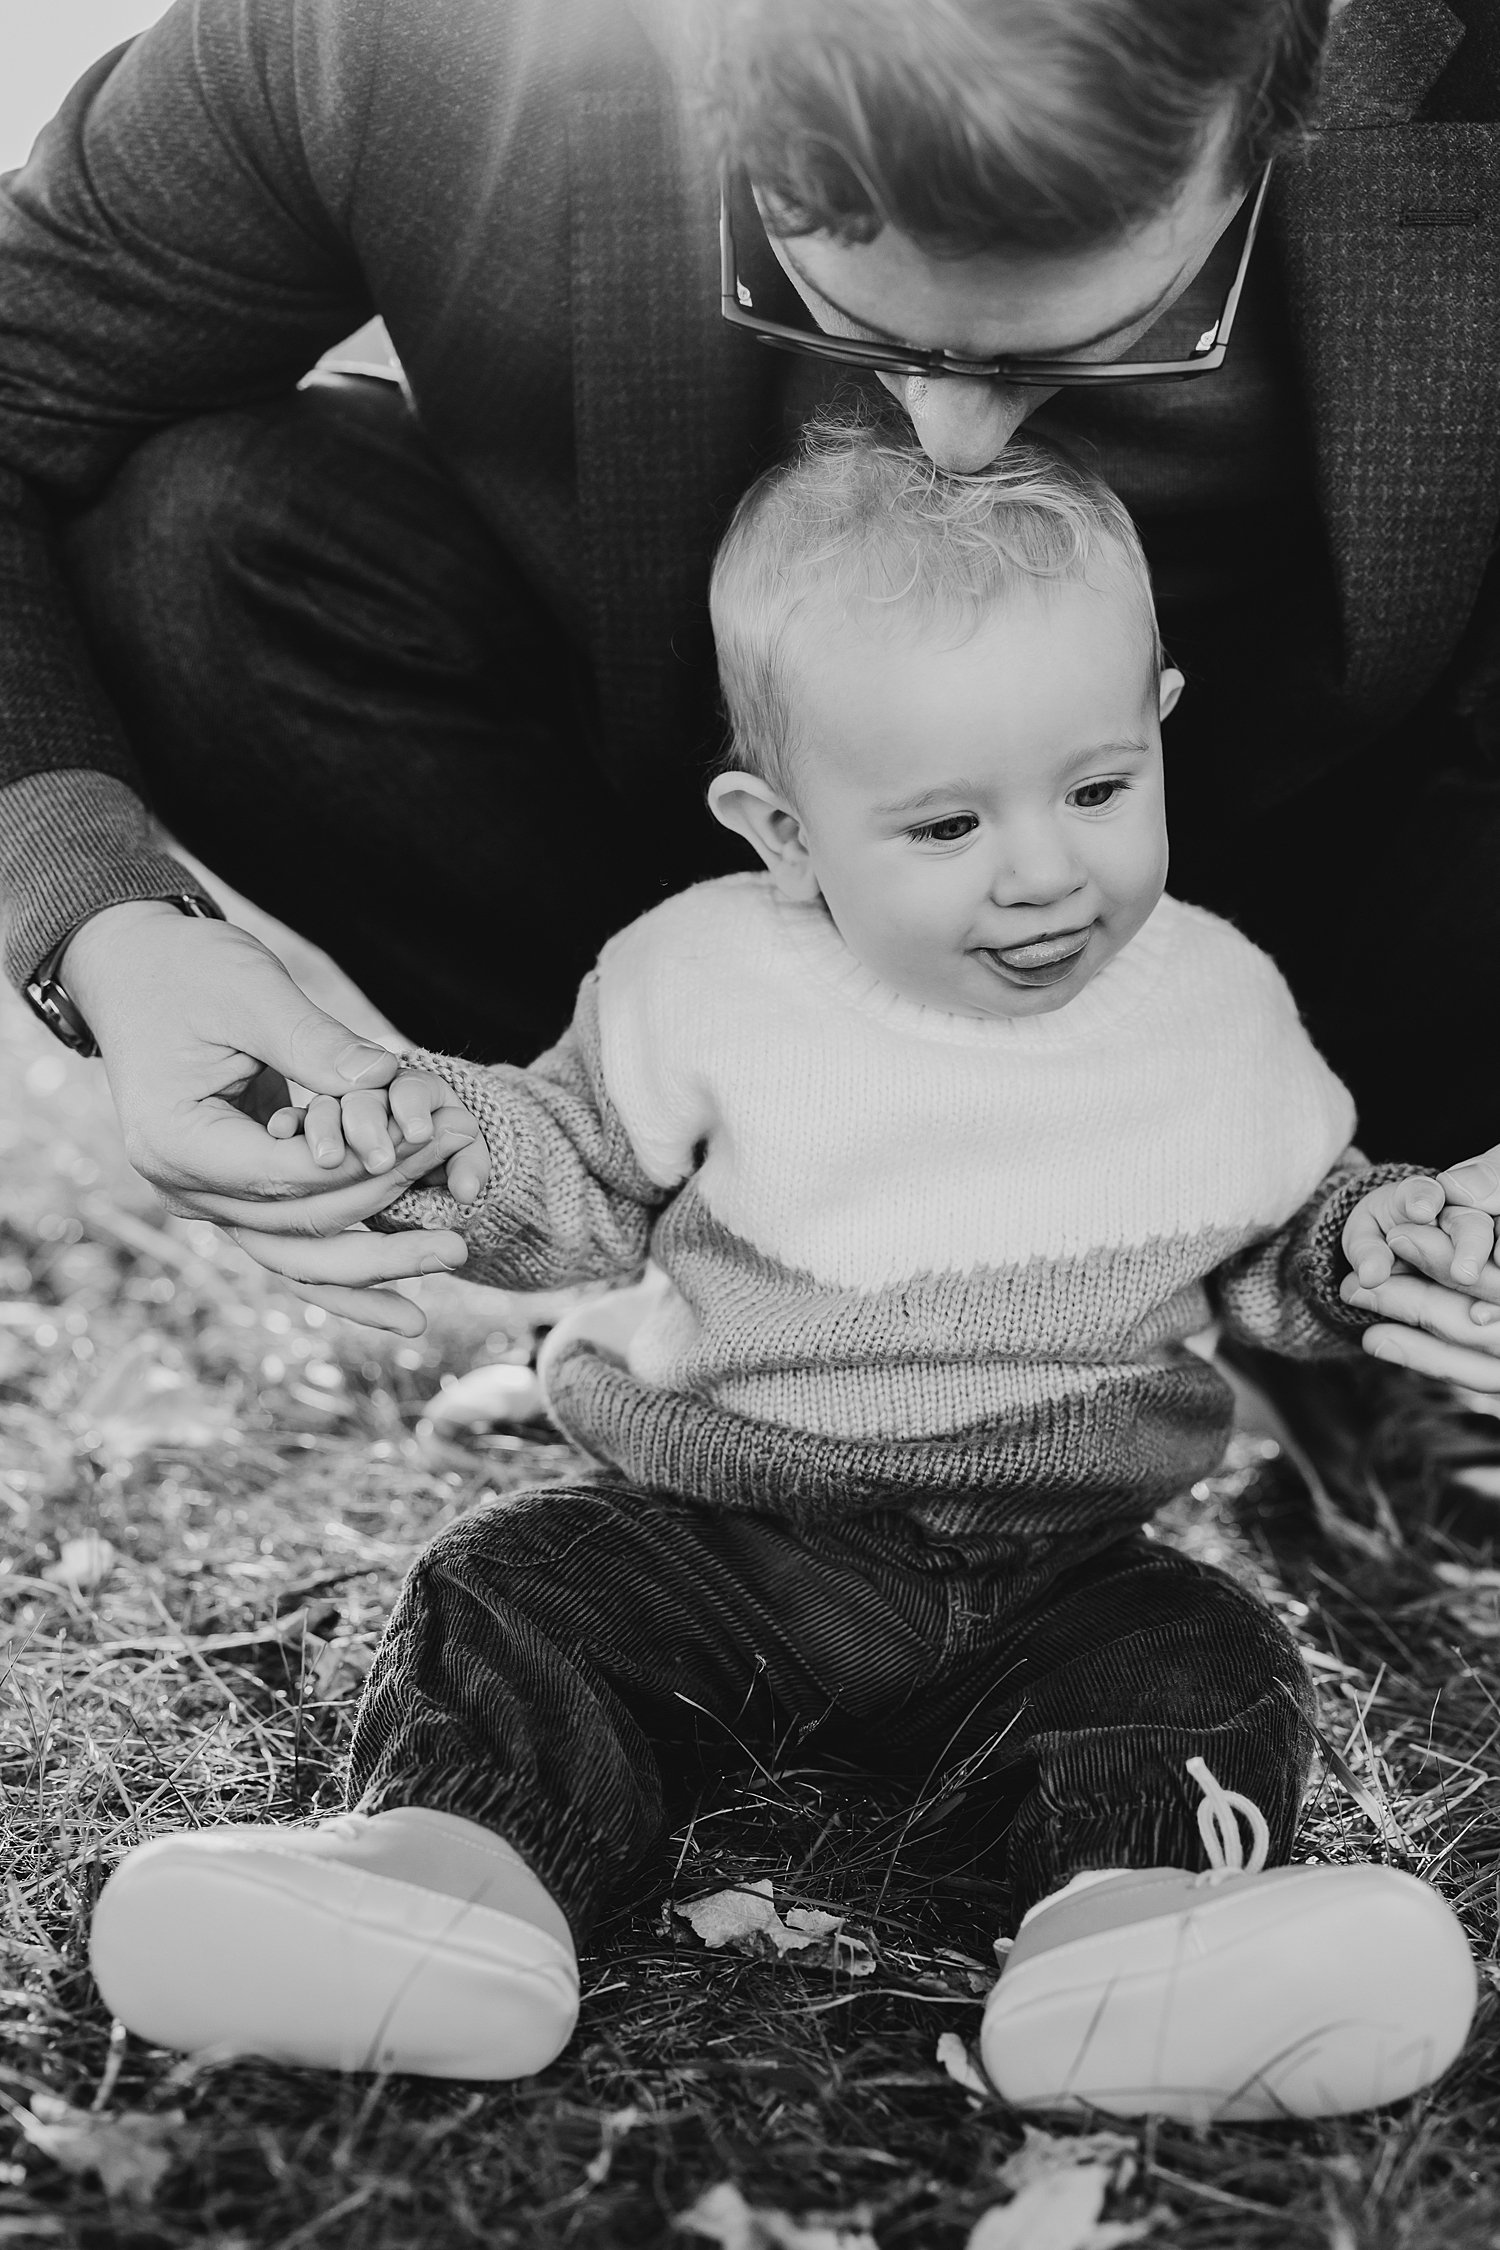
176,244
1282,1292
568,1199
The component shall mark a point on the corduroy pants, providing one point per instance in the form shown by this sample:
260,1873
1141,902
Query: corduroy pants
555,1657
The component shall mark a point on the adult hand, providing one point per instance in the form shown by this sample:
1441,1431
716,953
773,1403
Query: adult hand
1432,1329
200,1026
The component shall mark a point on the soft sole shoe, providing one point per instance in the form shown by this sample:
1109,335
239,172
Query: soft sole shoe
277,1942
1231,1996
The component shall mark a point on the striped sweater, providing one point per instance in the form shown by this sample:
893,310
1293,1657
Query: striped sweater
911,1256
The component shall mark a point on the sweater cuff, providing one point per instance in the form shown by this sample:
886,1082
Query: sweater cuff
1319,1265
428,1205
72,843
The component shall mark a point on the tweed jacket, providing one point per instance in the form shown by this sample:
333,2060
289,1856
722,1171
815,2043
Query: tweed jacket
523,190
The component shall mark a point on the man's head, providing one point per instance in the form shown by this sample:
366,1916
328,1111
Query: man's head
1034,178
945,697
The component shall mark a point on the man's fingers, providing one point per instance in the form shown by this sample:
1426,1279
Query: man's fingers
1476,1182
1472,1234
352,1260
371,1308
1434,1355
1427,1305
1426,1249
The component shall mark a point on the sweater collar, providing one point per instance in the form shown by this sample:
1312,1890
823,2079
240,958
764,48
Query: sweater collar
1109,1000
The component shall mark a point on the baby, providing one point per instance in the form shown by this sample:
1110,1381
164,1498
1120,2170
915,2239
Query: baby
944,1132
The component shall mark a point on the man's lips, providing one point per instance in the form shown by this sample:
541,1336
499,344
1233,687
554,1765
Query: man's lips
1040,960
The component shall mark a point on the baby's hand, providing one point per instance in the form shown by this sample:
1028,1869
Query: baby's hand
384,1124
1410,1225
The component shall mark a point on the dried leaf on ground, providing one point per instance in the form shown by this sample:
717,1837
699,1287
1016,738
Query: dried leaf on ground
954,2057
1060,2184
723,2216
746,1919
129,2153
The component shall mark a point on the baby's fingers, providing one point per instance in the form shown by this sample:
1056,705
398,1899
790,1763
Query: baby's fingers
285,1124
1369,1231
413,1098
367,1128
323,1125
469,1172
1472,1234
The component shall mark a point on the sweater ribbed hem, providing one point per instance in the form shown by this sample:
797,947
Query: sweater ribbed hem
72,843
1061,1468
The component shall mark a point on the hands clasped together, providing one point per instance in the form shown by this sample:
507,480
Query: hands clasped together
1422,1254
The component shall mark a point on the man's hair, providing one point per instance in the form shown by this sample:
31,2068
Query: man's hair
862,528
995,125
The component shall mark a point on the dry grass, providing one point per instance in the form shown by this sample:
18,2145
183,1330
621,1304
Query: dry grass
248,1463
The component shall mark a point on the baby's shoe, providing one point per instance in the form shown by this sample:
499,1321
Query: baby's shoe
405,1940
1245,1993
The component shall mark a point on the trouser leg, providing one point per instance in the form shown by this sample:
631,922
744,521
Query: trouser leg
1080,1717
547,1652
347,700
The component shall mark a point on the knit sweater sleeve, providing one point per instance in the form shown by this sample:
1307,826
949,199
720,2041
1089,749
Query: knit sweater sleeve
1282,1292
567,1199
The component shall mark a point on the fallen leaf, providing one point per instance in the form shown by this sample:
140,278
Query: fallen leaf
129,2153
487,1398
83,1564
746,1919
1043,2154
954,2057
724,2217
1060,2183
1060,2212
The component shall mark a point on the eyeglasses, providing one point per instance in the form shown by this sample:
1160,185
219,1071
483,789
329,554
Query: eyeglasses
737,303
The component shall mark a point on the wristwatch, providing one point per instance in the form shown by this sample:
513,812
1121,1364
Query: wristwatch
50,997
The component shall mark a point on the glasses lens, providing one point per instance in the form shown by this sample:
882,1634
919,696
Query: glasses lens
1184,331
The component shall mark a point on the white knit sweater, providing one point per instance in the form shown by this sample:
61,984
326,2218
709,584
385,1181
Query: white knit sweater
881,1222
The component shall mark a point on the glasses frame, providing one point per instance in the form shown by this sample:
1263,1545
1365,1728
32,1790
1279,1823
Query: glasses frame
917,359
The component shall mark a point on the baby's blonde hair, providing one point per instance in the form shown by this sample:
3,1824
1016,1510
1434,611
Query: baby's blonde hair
862,526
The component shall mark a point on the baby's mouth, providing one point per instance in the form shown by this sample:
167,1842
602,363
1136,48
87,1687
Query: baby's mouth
1041,960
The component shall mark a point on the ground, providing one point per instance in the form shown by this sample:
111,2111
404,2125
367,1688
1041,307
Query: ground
261,1476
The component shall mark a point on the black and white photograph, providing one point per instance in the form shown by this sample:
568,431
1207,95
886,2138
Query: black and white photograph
749,1124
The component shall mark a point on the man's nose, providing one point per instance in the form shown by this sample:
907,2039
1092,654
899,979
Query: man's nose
962,425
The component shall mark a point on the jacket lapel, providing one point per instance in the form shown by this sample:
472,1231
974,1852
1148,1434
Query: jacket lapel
667,402
1390,241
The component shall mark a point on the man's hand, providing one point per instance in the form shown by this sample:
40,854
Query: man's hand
197,1023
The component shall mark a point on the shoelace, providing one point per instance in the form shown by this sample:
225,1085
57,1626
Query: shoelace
1219,1818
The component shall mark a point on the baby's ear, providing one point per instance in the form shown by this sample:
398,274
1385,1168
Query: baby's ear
770,825
1171,687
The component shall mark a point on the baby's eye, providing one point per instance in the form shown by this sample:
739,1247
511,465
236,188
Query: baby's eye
947,831
1093,796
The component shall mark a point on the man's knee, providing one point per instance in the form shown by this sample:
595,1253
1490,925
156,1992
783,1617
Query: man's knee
324,507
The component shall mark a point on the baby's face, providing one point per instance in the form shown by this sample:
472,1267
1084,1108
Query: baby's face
985,818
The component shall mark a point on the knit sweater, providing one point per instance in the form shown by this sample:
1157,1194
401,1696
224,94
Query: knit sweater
907,1253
